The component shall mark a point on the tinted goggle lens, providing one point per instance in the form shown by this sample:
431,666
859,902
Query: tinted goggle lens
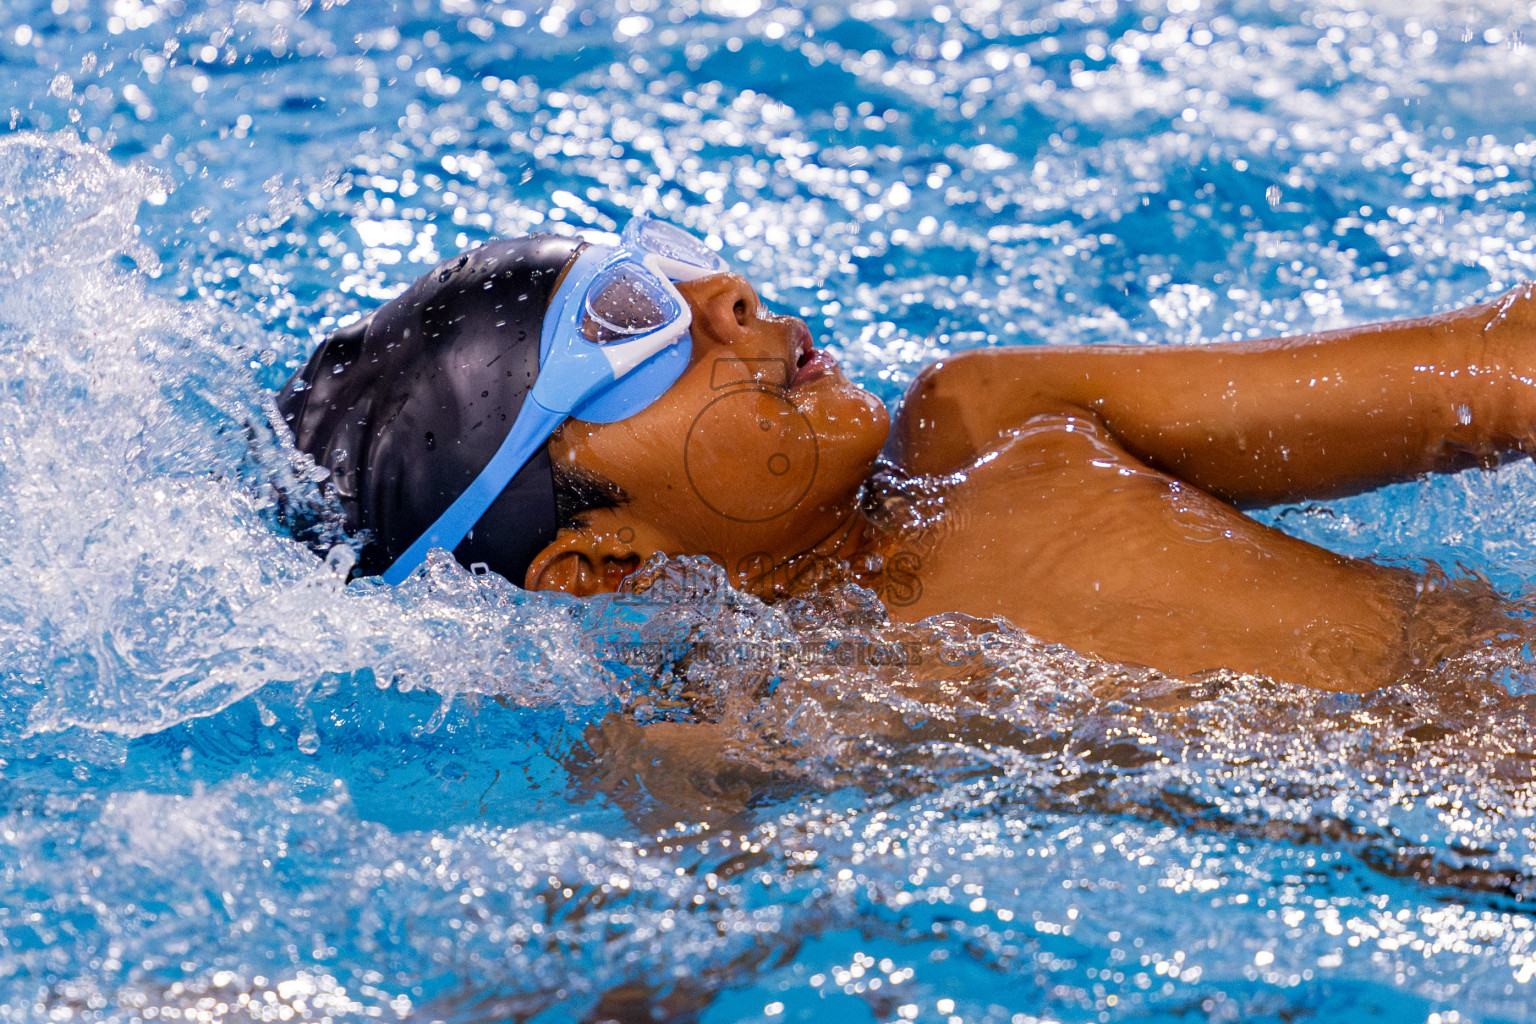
676,244
625,301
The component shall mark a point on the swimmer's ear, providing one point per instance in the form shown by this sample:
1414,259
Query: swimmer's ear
583,563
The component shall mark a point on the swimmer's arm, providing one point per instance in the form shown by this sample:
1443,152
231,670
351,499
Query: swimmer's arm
1263,421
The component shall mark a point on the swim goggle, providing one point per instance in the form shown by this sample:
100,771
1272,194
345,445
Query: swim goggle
615,337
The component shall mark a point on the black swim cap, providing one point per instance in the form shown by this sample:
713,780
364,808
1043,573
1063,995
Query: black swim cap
407,406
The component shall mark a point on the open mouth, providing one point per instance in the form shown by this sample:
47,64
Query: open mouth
809,363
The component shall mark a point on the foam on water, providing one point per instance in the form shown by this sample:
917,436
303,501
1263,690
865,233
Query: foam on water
233,786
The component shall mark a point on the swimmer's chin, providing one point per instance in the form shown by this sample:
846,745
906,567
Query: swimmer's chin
838,408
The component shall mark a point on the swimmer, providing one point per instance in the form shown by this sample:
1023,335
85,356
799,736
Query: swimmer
561,412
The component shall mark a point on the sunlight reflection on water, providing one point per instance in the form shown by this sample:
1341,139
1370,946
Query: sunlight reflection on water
236,788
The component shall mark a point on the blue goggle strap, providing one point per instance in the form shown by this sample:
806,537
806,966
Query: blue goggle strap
531,429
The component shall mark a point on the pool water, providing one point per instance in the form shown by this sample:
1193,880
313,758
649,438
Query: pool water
235,787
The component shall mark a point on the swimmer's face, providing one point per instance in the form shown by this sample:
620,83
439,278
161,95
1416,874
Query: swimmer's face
756,452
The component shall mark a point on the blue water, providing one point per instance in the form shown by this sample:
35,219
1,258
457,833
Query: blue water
233,786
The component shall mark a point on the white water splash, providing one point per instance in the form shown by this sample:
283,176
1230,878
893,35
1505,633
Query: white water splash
142,580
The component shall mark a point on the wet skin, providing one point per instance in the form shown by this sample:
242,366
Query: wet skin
1091,493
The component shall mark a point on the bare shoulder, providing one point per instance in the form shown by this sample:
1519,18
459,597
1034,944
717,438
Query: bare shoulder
1075,445
965,405
928,434
940,427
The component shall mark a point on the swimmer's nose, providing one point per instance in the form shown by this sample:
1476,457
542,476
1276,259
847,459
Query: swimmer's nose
724,306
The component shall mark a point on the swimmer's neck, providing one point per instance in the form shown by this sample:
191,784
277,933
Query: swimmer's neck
834,558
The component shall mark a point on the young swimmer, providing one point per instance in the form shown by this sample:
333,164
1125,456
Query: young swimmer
560,412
